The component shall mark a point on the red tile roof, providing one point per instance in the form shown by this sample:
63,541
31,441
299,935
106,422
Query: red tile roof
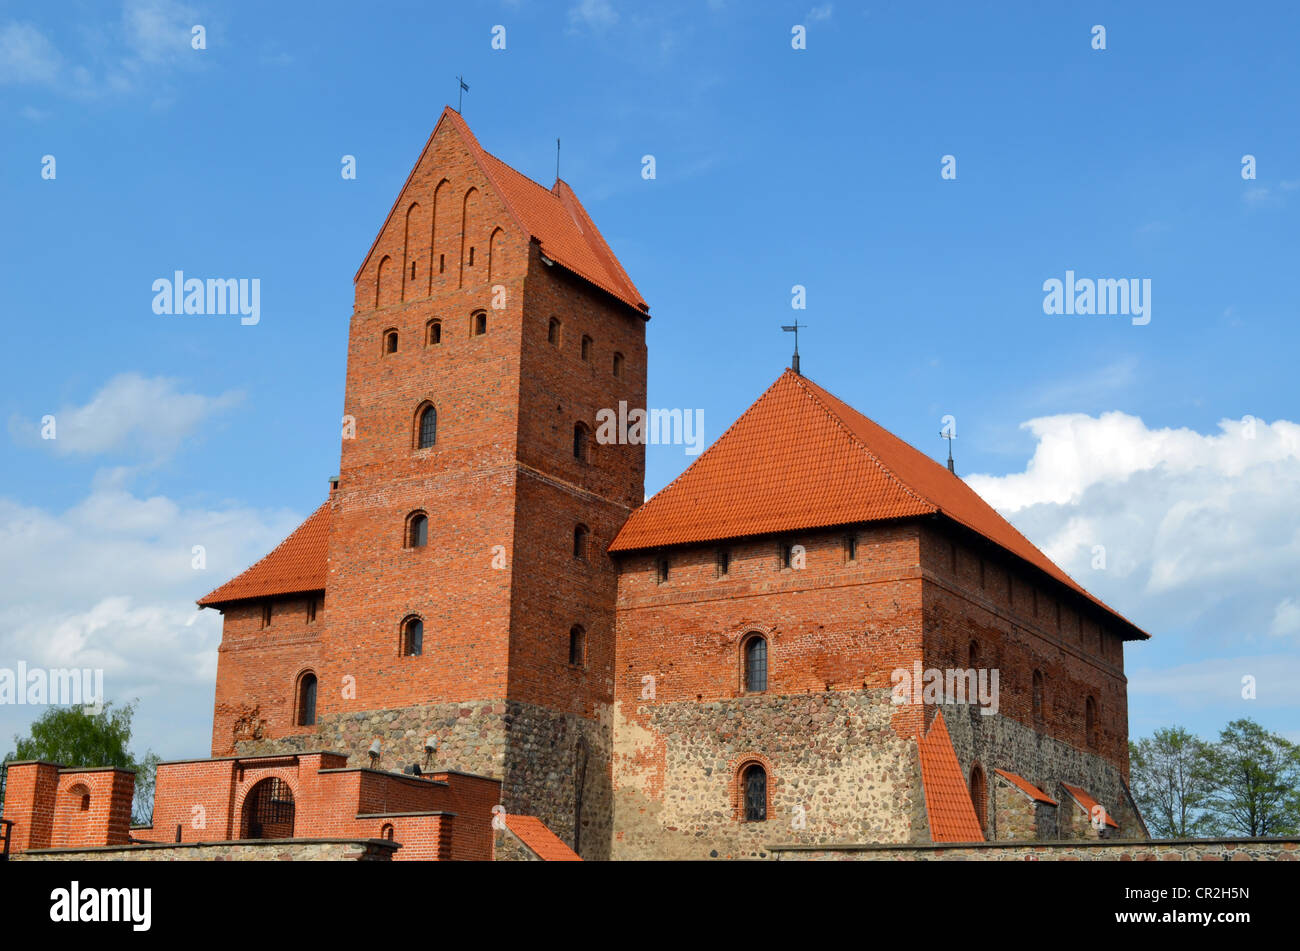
1085,800
297,564
555,217
947,800
1026,787
799,458
544,843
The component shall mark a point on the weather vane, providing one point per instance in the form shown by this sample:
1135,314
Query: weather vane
949,434
794,328
460,93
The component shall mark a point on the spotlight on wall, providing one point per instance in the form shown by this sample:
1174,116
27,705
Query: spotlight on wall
430,747
412,770
374,754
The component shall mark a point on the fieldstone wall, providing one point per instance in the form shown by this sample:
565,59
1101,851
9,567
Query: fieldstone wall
245,850
534,751
1098,850
998,742
836,771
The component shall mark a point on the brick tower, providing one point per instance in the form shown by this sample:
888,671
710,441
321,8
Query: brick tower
456,583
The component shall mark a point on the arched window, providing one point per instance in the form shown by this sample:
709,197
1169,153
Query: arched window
390,341
581,442
426,427
80,795
387,831
307,699
580,542
753,787
586,348
478,324
1090,721
577,645
755,664
433,337
268,811
618,364
1038,696
412,637
553,332
979,794
417,530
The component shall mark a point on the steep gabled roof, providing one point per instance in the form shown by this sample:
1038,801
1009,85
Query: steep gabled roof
295,566
947,800
1088,803
799,458
540,840
1026,787
554,217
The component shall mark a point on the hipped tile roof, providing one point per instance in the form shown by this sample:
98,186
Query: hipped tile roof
799,458
544,843
296,565
1026,787
1084,799
554,217
947,800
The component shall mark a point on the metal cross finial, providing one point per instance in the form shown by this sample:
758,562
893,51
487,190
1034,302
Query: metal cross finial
794,328
460,93
949,435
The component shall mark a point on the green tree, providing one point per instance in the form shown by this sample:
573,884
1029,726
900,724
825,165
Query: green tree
1256,777
1171,783
72,737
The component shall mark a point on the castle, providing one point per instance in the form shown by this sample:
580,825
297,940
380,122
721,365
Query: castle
486,604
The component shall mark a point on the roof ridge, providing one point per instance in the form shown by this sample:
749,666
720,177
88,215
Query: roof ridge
880,463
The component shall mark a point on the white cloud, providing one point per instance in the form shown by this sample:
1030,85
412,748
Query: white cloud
158,31
136,52
595,14
819,13
1286,618
27,55
110,584
1193,525
130,413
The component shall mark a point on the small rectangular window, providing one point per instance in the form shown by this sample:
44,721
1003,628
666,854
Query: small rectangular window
724,562
661,570
266,614
851,547
586,348
311,610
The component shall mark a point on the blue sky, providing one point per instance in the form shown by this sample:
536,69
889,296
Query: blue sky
774,167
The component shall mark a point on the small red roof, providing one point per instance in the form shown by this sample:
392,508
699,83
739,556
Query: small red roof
297,564
554,217
533,833
1084,799
947,800
1026,787
799,458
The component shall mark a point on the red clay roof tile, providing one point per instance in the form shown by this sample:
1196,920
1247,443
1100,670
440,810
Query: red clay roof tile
296,565
1026,787
533,833
947,800
1084,799
799,458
